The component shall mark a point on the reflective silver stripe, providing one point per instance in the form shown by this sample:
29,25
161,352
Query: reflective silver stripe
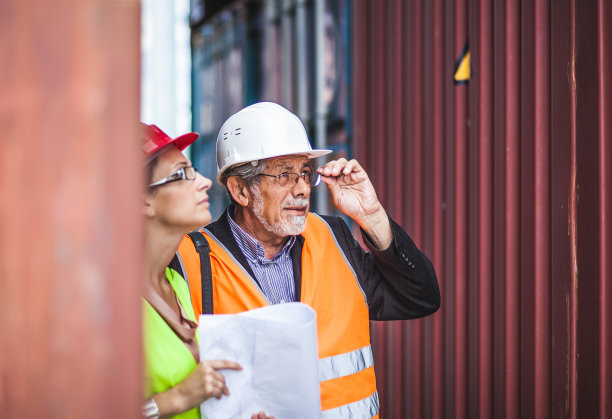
343,255
362,409
212,236
183,272
345,364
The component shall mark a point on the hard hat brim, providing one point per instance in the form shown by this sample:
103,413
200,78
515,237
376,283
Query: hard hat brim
185,140
155,140
317,153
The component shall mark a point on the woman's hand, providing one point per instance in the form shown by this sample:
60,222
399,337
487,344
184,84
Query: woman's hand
204,382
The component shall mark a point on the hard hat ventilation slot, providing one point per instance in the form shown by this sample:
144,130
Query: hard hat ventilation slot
226,135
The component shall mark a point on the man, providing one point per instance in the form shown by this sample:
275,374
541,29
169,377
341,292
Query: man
267,249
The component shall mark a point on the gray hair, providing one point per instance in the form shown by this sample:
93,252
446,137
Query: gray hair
247,172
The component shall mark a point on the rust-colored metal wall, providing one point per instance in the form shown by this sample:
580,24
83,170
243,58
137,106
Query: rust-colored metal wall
70,182
505,182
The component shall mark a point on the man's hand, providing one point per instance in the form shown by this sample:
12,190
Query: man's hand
261,415
353,193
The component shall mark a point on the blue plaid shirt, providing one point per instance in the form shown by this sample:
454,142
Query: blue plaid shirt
275,276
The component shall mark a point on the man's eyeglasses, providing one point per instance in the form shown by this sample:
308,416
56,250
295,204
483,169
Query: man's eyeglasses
184,173
289,180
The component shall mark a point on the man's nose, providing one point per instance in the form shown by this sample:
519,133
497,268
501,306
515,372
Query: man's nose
301,188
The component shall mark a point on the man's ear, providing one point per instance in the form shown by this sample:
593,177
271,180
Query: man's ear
239,191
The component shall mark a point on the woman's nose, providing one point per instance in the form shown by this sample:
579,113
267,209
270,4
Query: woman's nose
203,182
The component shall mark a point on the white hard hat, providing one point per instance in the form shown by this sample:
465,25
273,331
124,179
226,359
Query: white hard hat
261,131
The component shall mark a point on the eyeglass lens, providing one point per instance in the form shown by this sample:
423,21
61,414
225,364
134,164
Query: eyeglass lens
189,172
184,173
311,178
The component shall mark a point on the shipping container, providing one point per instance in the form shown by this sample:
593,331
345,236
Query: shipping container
485,128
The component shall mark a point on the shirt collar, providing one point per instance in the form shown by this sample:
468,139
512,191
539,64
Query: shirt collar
250,246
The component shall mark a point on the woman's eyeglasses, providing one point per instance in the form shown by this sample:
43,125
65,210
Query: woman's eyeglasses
184,173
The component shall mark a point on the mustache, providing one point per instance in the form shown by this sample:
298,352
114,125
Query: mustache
295,202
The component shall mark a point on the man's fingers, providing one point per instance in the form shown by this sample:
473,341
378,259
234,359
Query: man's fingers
332,168
339,167
351,166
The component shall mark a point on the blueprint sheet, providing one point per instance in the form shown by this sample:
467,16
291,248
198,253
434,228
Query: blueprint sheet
277,348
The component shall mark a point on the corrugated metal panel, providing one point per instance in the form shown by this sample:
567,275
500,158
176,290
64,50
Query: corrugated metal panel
604,136
504,182
509,348
70,182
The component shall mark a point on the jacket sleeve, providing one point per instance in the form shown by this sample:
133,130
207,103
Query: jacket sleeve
400,282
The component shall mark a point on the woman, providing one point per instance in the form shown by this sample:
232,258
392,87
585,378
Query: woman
175,203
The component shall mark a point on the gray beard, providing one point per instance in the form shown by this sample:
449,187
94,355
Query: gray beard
292,227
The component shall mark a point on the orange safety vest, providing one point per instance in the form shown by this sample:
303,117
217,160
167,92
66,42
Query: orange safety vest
331,288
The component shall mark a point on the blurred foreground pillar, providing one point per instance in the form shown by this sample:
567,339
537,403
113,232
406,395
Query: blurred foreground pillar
70,182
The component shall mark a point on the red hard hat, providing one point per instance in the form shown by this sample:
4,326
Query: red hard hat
154,139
